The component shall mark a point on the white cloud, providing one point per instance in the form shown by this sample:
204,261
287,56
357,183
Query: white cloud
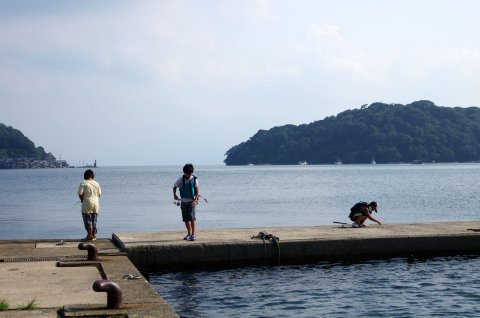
172,69
465,59
324,48
434,63
318,32
283,71
347,65
259,8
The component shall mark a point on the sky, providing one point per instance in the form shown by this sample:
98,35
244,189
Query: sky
169,82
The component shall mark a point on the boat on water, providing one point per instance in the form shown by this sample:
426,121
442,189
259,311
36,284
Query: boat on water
338,162
302,163
373,162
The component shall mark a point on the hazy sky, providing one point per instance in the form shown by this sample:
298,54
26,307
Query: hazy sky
168,82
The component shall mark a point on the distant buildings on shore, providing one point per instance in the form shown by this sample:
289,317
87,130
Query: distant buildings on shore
31,163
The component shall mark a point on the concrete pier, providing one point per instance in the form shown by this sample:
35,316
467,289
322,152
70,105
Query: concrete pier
59,278
232,247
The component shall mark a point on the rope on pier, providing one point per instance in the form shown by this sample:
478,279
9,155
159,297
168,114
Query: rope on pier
264,236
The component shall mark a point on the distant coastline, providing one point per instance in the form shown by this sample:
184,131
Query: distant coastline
32,163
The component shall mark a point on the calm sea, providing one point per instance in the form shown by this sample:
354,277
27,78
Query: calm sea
437,287
36,204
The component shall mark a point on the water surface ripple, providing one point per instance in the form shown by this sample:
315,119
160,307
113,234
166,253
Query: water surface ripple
436,287
42,203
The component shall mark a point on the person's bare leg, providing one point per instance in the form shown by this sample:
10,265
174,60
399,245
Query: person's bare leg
361,219
189,227
192,226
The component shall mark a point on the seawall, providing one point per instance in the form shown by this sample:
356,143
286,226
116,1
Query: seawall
233,247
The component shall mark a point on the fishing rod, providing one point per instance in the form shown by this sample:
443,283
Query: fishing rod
178,201
343,224
201,196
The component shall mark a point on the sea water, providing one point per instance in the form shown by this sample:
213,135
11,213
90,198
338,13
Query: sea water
43,203
436,287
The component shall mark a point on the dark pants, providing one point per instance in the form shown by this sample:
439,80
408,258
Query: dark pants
188,211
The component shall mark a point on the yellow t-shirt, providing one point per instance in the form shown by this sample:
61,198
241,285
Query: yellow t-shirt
90,189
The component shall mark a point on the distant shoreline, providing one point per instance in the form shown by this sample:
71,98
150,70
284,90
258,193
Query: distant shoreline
31,163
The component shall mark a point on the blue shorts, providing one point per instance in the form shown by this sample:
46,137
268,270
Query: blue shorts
188,211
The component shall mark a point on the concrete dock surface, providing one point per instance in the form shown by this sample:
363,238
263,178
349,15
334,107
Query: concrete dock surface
230,247
59,278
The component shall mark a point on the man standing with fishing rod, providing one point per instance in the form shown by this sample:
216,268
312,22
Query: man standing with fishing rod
189,193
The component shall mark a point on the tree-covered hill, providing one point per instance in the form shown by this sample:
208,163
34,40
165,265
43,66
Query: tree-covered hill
386,132
13,144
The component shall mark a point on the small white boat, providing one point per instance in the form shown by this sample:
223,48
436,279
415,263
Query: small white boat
373,162
338,162
303,163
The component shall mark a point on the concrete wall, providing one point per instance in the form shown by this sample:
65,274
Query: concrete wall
256,252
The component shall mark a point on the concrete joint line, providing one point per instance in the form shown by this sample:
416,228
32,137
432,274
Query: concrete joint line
98,265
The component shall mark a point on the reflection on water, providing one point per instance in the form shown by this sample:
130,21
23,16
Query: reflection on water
437,287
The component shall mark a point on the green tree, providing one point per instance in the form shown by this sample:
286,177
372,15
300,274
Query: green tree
13,144
388,132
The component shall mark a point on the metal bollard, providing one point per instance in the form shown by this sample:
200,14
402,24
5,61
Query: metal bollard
92,250
114,293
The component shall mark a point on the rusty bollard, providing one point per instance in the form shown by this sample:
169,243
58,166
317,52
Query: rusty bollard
92,250
114,293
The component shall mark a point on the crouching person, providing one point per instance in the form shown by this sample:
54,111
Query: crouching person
362,211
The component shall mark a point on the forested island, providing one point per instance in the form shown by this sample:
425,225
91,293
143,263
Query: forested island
381,133
17,151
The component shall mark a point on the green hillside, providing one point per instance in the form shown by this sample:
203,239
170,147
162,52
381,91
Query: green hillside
386,132
13,144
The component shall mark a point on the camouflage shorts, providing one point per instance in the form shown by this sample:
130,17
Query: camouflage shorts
90,221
